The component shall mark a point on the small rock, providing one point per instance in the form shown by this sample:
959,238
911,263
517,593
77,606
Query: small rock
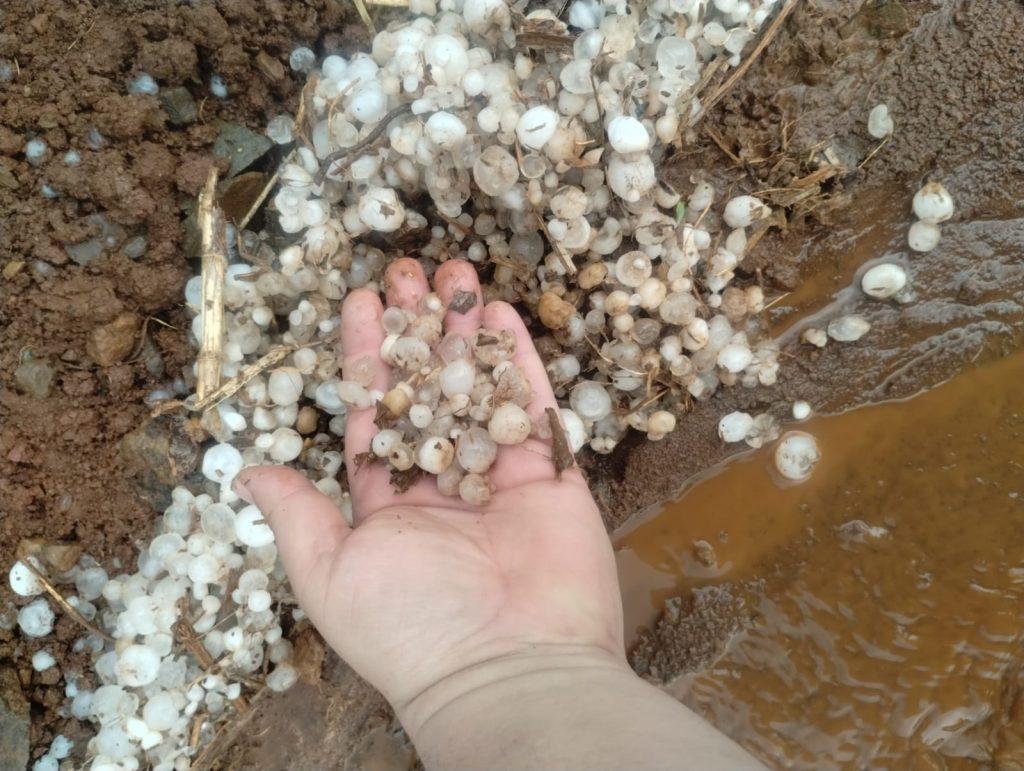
159,454
7,178
238,194
111,343
14,717
240,146
270,67
34,377
179,106
554,312
12,269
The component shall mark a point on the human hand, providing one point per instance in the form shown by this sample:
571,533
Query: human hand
425,587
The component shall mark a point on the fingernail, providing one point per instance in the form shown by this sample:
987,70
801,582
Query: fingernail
239,487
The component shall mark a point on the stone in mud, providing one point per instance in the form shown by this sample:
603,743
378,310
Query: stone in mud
14,746
159,454
240,146
35,378
111,343
238,194
179,106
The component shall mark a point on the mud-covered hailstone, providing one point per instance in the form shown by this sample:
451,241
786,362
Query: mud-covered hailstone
796,454
380,209
221,463
880,123
435,455
744,210
884,281
848,329
735,426
923,236
627,135
536,126
36,618
933,203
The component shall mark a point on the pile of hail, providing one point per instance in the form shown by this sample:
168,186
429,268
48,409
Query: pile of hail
458,137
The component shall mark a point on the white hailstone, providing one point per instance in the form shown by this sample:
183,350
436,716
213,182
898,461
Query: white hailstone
284,386
735,426
660,423
90,583
137,665
631,176
509,424
217,521
36,618
434,454
23,581
160,712
933,203
286,445
536,126
575,431
801,410
744,210
627,135
848,329
259,601
457,378
380,209
302,59
884,281
590,401
445,130
586,14
251,529
384,441
735,357
476,450
814,336
282,677
114,743
923,236
796,455
221,463
42,660
61,746
46,763
880,123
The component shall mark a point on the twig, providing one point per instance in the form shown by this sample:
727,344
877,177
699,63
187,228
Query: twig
186,634
59,598
871,155
261,197
226,736
214,265
739,72
232,386
78,39
369,139
365,16
721,145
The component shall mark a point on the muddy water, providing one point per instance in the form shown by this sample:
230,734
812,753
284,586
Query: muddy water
888,623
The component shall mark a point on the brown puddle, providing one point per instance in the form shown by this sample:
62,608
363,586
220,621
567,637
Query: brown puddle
888,626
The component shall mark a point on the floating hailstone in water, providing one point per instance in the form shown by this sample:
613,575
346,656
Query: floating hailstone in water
796,455
923,236
735,426
221,463
801,410
848,329
884,281
880,124
933,203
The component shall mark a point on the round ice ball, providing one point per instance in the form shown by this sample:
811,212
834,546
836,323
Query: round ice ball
628,135
23,580
884,281
36,618
590,401
796,455
284,386
743,210
137,665
933,203
735,426
379,209
536,126
221,463
847,329
445,130
251,529
923,236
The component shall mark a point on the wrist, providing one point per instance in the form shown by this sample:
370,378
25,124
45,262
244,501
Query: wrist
487,687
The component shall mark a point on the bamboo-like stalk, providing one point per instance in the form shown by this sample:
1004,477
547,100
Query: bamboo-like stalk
214,266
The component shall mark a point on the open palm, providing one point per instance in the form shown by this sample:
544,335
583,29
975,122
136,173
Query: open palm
426,585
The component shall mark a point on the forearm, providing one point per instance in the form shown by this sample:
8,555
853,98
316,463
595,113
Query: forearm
561,709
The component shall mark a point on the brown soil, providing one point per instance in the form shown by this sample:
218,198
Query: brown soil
951,77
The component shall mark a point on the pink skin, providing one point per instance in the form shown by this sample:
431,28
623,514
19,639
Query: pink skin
425,585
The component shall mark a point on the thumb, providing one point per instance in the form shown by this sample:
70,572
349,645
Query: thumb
308,527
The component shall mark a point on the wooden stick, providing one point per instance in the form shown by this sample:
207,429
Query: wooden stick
59,598
365,16
214,265
739,72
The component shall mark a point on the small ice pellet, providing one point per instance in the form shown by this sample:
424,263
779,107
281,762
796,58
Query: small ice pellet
801,410
36,618
796,455
35,151
42,660
218,87
252,530
23,581
302,59
735,426
259,601
923,236
848,329
143,83
221,463
46,762
884,281
509,424
933,204
61,746
880,124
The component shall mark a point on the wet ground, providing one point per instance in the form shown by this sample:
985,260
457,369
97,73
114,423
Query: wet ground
953,76
882,616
